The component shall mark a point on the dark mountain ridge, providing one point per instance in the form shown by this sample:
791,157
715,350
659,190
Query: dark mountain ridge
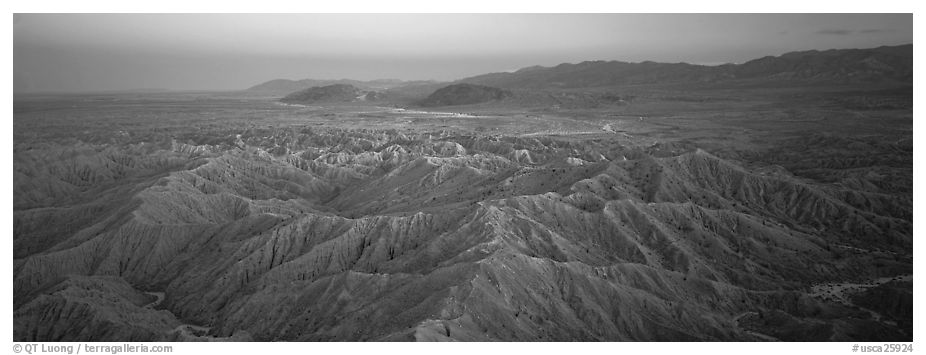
886,63
330,94
286,86
464,94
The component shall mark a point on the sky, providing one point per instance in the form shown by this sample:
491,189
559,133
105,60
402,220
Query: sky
106,52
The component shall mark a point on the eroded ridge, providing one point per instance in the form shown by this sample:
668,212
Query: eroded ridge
339,234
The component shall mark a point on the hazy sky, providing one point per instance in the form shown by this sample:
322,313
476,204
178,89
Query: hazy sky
94,52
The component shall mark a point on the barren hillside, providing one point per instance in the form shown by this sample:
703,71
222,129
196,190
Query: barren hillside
382,235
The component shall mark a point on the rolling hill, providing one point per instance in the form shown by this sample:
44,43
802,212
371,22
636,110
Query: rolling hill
464,94
329,94
287,86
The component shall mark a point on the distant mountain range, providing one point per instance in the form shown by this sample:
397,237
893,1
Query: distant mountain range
534,85
886,63
830,66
